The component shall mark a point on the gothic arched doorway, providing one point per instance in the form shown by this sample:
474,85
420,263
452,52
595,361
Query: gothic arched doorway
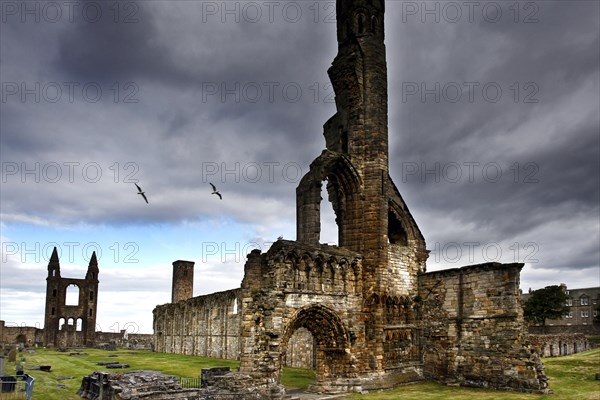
333,358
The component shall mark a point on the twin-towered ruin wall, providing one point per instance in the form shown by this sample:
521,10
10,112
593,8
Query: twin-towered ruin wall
70,325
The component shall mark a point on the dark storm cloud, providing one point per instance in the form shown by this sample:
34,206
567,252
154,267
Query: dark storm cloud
184,120
552,143
109,51
175,129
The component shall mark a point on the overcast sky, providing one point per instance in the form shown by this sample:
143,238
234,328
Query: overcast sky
493,123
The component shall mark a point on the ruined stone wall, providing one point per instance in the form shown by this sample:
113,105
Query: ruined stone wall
129,340
153,385
590,330
559,345
26,335
473,332
294,286
70,325
206,326
402,270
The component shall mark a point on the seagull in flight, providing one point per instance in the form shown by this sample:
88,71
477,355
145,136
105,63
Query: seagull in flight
215,191
141,192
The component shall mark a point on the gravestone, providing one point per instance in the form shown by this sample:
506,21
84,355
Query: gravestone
12,355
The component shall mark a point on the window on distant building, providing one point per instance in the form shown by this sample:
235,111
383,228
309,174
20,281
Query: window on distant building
567,292
585,301
585,314
594,301
569,315
569,302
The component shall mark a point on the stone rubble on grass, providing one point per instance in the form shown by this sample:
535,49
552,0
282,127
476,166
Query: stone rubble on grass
153,385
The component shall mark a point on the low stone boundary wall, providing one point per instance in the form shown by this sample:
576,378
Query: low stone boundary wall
560,344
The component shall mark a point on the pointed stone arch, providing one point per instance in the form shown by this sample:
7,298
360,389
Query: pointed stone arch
343,188
333,342
402,228
323,322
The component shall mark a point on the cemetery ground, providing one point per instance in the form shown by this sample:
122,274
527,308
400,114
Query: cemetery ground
571,377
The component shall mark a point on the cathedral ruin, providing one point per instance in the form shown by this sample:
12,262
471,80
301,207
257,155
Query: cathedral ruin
367,310
70,325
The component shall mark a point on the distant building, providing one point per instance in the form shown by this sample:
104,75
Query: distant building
583,304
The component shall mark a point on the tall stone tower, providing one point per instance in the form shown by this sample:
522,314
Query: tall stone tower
70,324
371,216
183,281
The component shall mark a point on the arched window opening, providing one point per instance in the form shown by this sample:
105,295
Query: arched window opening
91,312
91,295
235,307
374,24
360,21
329,229
54,291
61,324
79,325
72,296
396,232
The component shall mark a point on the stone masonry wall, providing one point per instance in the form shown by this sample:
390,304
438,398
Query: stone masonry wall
473,329
295,286
300,350
591,330
26,335
206,326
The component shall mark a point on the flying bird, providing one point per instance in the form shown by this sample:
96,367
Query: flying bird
141,192
215,191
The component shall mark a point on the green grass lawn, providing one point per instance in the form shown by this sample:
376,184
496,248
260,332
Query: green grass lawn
571,377
46,383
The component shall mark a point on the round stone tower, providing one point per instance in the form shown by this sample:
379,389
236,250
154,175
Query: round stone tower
183,281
